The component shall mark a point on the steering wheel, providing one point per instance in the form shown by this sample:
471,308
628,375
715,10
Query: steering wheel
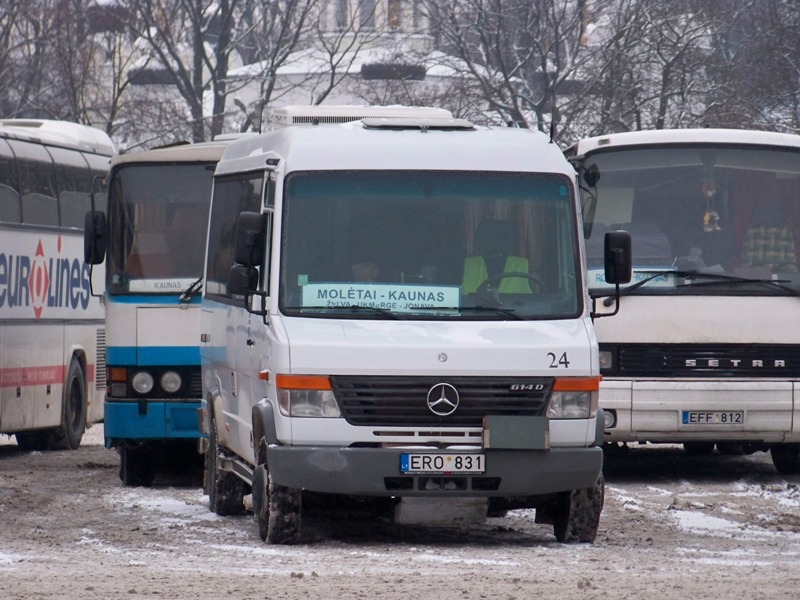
489,289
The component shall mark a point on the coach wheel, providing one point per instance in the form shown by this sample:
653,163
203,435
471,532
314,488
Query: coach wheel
226,491
68,435
277,509
576,517
786,458
136,467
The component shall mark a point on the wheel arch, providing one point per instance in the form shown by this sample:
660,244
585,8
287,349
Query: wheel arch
263,428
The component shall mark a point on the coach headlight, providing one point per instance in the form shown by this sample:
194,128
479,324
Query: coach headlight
306,396
170,382
574,398
606,360
142,382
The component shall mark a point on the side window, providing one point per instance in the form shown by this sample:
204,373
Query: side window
232,195
37,184
99,166
10,211
74,186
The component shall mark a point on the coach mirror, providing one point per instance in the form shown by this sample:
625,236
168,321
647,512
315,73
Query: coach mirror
251,231
618,266
94,237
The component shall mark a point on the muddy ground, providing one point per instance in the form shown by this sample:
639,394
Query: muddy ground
674,526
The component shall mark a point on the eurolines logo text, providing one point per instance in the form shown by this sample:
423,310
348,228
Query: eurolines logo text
41,282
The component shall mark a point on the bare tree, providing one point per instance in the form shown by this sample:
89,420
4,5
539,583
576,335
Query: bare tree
757,64
274,32
524,55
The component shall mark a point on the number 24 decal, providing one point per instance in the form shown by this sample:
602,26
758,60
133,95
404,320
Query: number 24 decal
558,361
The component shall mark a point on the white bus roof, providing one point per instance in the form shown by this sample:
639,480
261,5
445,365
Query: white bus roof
59,133
313,115
356,146
200,152
662,137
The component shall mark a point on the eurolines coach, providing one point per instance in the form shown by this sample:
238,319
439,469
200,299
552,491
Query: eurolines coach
52,337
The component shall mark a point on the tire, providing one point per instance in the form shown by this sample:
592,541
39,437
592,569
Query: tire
277,509
259,503
136,467
285,513
786,458
698,448
576,516
225,490
68,435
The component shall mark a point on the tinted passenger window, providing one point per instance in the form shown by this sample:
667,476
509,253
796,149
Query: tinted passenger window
9,195
74,186
231,197
37,183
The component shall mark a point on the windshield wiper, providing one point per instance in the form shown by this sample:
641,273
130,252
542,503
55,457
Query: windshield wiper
719,278
505,311
778,283
190,291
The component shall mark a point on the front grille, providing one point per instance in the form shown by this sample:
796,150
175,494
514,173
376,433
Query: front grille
402,401
701,360
195,384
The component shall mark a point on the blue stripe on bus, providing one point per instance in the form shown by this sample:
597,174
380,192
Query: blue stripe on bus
149,299
120,356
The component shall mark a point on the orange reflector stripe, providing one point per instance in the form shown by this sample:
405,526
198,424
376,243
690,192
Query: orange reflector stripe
577,384
303,382
263,375
118,374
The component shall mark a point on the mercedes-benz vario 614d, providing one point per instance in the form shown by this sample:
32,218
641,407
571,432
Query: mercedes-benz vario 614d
396,309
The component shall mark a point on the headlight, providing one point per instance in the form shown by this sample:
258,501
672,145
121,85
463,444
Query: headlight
606,360
308,403
574,398
142,382
170,382
306,396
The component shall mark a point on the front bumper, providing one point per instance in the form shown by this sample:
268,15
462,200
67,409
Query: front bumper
152,420
376,472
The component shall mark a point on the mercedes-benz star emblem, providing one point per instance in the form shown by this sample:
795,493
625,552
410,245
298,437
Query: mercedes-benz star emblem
443,399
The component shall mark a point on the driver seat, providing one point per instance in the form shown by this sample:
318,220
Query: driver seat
769,242
494,244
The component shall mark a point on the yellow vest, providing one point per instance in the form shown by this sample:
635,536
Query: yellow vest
475,273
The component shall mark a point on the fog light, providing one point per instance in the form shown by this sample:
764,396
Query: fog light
609,419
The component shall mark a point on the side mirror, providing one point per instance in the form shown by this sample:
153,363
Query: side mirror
251,229
591,176
618,259
242,279
94,237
